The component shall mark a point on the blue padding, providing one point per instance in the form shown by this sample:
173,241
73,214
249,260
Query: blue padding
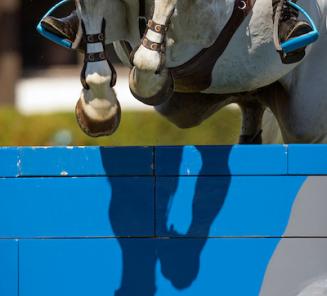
9,162
129,267
8,268
76,207
307,159
87,161
221,160
224,206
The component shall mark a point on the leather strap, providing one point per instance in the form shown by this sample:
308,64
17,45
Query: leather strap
157,28
95,38
196,74
95,57
159,47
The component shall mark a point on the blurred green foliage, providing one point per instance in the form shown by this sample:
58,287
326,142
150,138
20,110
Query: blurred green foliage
137,128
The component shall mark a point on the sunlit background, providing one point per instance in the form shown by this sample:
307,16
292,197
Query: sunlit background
39,87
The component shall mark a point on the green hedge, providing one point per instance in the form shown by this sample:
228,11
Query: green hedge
137,128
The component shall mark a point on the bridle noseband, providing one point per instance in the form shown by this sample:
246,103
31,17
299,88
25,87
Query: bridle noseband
96,56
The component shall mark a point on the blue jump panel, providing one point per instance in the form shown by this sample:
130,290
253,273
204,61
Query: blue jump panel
226,220
76,207
307,159
91,161
9,162
160,267
252,206
9,267
221,160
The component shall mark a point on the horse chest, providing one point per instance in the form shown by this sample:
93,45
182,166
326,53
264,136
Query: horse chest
195,75
241,58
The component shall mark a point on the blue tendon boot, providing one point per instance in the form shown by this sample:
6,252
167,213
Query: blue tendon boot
292,36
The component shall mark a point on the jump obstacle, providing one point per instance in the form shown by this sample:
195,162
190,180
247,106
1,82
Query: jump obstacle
225,220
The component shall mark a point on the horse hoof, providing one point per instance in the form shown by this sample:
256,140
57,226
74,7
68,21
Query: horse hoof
97,128
160,97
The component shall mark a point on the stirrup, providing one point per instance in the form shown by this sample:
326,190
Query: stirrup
51,36
297,42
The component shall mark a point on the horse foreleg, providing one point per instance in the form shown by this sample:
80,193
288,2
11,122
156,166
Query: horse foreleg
251,130
150,80
98,110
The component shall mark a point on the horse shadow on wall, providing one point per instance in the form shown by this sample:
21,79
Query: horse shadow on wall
185,208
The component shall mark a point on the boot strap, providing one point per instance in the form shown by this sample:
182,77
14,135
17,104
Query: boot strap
155,27
159,47
94,38
95,57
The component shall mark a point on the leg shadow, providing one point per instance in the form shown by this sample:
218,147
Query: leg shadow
130,215
179,253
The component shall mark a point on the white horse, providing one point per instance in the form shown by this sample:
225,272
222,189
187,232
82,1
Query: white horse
248,72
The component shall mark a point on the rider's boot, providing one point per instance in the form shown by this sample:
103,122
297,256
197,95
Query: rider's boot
290,27
66,27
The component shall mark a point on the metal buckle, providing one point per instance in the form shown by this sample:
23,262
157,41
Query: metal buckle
53,37
242,5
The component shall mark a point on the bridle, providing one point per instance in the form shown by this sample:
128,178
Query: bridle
96,56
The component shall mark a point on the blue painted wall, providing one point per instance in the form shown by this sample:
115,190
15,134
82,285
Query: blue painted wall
144,220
